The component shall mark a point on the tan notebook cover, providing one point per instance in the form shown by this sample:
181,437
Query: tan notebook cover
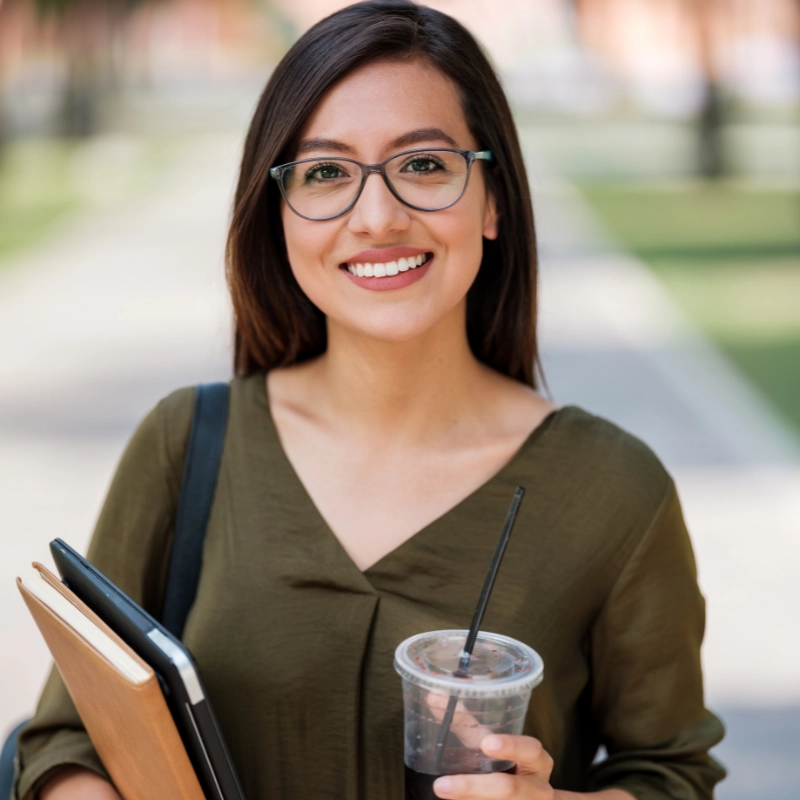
119,699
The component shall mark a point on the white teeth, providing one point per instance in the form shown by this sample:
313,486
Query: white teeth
389,268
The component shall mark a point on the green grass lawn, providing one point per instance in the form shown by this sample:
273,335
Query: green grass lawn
43,180
731,256
36,190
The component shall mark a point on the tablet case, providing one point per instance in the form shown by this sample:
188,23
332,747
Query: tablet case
174,665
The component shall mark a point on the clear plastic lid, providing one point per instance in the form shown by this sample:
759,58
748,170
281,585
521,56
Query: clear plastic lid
499,665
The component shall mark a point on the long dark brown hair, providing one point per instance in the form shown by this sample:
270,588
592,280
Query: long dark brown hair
276,324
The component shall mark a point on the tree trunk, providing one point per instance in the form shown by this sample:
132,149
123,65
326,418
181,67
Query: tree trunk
710,152
710,148
80,101
86,28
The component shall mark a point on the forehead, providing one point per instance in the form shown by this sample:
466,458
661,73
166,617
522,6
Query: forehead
378,102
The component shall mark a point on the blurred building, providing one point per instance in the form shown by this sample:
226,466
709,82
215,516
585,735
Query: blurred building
582,57
590,55
78,61
750,45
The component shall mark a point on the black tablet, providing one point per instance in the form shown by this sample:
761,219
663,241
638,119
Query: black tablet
172,662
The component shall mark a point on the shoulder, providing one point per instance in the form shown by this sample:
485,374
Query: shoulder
603,496
166,426
610,480
590,445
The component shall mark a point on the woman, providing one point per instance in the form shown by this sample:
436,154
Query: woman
383,411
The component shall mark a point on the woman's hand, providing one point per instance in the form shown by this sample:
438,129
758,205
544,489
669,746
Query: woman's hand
78,783
531,781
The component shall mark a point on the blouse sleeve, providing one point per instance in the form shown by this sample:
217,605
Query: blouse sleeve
647,690
130,545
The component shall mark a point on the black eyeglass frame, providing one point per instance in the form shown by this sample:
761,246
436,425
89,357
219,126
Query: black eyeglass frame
470,156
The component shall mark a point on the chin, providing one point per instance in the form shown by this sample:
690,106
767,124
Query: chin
392,326
398,322
390,334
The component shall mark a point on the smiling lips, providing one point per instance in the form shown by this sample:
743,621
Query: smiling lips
390,268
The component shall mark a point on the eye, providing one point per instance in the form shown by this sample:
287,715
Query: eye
325,172
423,163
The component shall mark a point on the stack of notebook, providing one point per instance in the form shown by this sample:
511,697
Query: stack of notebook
135,686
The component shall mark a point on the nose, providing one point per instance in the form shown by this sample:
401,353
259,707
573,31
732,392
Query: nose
377,213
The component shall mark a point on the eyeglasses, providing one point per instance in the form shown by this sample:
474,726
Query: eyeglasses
426,180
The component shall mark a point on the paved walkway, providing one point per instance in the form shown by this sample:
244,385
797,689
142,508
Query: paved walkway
117,309
107,316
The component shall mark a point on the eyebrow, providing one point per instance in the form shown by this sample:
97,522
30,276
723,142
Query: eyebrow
407,139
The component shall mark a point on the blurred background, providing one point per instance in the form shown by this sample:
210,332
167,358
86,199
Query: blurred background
662,143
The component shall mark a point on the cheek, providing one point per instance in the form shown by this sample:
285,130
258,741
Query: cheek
462,233
307,244
299,242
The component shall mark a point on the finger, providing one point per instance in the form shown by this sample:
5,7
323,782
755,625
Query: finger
437,703
531,757
491,786
464,725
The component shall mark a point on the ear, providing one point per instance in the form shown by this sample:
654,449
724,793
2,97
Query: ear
490,217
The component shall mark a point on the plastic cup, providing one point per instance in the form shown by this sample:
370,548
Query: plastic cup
492,698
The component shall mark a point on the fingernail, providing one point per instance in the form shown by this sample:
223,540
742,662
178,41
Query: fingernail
492,743
442,785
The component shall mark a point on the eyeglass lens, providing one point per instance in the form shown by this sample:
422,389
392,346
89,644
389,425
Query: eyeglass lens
429,180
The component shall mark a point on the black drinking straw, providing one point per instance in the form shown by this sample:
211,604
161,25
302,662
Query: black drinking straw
483,601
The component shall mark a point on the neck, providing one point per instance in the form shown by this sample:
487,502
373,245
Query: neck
412,389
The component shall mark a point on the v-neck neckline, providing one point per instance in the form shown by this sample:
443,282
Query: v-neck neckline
272,431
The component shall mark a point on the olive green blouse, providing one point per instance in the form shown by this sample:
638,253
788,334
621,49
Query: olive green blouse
296,644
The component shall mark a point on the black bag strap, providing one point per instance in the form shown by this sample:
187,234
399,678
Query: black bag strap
200,468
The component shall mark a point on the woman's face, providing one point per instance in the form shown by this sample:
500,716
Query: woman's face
380,110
